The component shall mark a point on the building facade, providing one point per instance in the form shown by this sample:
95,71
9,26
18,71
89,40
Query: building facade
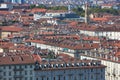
6,6
108,34
112,72
83,70
16,67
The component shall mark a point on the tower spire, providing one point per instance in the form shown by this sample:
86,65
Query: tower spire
86,13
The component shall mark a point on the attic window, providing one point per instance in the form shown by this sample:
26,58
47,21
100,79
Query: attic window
83,45
22,58
91,45
12,59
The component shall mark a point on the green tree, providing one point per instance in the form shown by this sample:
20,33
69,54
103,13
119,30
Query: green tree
79,11
41,6
58,8
104,10
32,6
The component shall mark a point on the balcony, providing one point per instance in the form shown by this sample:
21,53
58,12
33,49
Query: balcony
18,76
20,69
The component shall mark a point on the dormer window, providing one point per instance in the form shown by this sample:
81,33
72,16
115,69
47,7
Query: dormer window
61,65
56,65
77,64
51,65
72,64
83,64
45,66
94,64
67,65
83,45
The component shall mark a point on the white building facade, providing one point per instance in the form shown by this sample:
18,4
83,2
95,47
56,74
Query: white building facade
108,34
6,6
112,71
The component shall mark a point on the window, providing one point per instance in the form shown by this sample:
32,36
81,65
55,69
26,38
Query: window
36,78
47,78
80,76
9,73
30,72
30,66
26,78
31,78
70,76
101,76
59,77
54,78
20,72
42,78
4,73
25,66
110,34
25,72
17,67
75,78
4,67
85,78
20,66
15,72
101,70
10,78
9,67
91,70
64,77
4,79
91,76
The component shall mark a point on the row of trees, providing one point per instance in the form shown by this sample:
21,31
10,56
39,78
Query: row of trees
79,10
104,10
50,8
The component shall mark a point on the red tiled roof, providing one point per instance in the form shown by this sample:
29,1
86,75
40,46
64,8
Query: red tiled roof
117,54
65,57
36,41
11,29
6,44
38,10
91,38
5,12
100,19
37,58
23,59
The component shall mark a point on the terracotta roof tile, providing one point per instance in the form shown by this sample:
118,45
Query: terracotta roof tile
11,29
100,19
38,10
23,59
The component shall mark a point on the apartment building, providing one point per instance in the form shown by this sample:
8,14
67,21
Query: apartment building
108,31
65,46
112,62
9,30
70,70
16,66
